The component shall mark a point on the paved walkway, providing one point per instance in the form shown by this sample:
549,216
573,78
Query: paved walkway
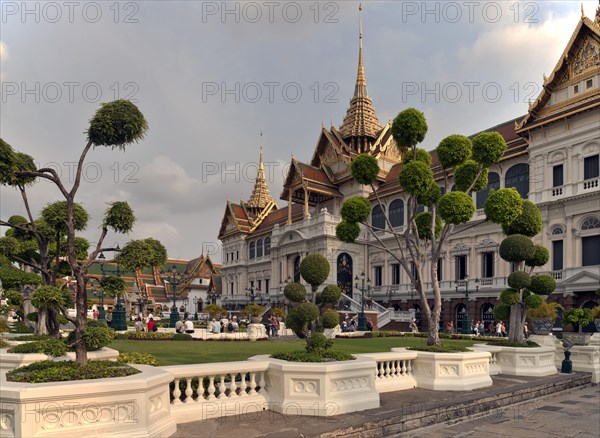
400,408
573,414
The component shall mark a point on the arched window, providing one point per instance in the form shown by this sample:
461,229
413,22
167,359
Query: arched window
377,217
397,213
518,177
259,248
493,183
557,230
252,250
590,223
267,246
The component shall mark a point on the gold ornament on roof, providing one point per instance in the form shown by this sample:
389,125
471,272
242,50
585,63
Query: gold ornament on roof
361,125
261,197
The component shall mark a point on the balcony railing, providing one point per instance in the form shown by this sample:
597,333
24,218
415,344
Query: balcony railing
590,184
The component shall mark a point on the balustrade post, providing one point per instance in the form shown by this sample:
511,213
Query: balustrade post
176,393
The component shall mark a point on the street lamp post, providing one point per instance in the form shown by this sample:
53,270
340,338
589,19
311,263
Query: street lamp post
362,321
118,315
195,301
466,325
173,278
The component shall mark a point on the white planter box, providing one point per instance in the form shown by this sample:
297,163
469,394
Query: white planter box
451,371
320,389
134,406
493,350
10,361
522,361
587,359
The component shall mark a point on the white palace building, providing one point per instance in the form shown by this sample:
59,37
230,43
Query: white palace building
552,159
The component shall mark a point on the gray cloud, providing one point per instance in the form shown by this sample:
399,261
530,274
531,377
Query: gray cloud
168,57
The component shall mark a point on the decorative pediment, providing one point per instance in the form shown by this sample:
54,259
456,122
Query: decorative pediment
584,279
588,56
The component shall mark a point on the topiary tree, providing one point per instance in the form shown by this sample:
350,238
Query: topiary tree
307,319
520,221
427,233
115,124
314,269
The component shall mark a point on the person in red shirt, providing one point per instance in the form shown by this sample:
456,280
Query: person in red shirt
151,324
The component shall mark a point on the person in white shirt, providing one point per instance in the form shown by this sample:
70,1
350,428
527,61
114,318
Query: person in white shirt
189,326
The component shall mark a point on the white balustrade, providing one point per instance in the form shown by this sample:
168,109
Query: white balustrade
394,370
215,390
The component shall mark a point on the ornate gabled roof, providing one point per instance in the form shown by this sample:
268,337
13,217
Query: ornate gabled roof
235,220
580,60
261,197
361,125
311,177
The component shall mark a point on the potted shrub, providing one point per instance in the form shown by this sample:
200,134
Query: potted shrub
214,311
542,317
254,311
596,316
279,313
579,318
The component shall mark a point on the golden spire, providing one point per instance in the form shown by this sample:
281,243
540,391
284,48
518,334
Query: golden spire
361,125
261,196
597,18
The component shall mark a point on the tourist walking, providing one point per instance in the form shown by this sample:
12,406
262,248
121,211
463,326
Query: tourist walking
139,325
369,325
274,327
503,330
499,329
525,330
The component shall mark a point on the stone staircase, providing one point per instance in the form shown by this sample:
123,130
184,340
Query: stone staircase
384,315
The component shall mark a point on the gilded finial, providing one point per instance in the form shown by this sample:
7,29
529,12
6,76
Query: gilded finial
545,78
582,12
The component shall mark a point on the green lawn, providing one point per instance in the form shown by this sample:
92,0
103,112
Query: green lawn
190,352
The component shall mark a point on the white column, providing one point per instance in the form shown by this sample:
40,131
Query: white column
570,250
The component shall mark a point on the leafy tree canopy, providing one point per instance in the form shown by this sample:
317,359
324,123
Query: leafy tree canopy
55,215
119,217
409,128
456,208
347,231
314,269
503,206
356,209
117,124
454,150
364,169
529,223
488,148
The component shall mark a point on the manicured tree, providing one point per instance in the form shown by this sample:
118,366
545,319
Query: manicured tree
115,125
427,233
306,319
520,220
314,269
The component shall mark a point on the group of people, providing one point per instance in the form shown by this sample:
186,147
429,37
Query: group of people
184,327
349,324
150,324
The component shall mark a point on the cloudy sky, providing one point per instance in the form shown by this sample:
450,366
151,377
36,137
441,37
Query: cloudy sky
210,76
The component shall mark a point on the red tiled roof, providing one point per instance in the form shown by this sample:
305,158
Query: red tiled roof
280,217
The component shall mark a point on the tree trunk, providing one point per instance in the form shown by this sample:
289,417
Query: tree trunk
80,321
41,327
433,335
515,330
